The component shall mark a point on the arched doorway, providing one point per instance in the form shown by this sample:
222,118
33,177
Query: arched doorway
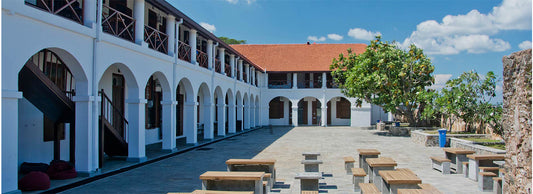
338,111
185,118
230,112
204,108
219,126
158,112
46,113
309,111
238,112
279,111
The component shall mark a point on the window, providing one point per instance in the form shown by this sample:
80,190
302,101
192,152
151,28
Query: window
343,109
276,108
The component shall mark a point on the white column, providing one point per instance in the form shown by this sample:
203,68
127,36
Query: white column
294,80
136,131
231,117
209,119
222,59
232,64
324,118
266,80
252,115
171,21
89,13
192,43
247,69
138,15
177,42
10,140
210,54
239,64
84,135
168,129
295,114
253,75
324,80
221,119
189,122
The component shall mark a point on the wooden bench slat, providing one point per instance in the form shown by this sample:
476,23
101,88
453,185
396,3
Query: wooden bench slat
381,162
399,177
465,163
487,174
348,159
369,188
358,172
440,159
458,151
221,192
368,152
486,157
235,175
309,192
429,187
251,161
497,178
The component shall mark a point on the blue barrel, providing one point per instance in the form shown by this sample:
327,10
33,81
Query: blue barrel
397,124
442,138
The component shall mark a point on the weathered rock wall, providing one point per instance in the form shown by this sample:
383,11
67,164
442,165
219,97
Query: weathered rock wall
517,121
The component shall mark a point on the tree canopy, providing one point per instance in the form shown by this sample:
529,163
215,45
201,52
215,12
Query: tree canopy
387,76
231,40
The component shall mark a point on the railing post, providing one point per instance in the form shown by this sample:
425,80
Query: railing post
222,58
192,44
232,64
171,33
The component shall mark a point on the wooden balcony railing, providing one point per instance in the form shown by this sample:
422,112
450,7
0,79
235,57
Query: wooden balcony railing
118,24
156,39
184,51
227,69
201,58
279,84
71,9
218,66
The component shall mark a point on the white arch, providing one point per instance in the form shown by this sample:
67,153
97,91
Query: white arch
231,111
205,105
220,107
188,110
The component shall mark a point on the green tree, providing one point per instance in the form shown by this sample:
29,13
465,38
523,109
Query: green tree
468,97
231,40
387,76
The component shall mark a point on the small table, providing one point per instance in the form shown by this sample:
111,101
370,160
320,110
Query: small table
398,179
378,164
474,161
254,165
457,157
308,180
364,154
233,181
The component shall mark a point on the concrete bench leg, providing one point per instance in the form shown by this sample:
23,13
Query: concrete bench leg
356,181
309,184
311,168
348,167
465,170
485,183
444,167
497,187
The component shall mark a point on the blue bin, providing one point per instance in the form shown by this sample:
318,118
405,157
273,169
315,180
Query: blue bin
442,138
397,124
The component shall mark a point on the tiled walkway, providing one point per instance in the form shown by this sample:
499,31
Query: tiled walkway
180,173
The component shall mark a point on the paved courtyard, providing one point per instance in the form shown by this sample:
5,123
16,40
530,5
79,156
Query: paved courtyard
181,173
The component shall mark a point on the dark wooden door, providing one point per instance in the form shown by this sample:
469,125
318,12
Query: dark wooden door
329,113
118,101
314,112
302,112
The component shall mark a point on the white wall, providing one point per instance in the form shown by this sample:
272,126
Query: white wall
378,114
32,147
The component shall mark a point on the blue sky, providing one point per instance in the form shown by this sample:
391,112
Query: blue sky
458,35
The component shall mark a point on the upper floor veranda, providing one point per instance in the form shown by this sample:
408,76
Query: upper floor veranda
140,24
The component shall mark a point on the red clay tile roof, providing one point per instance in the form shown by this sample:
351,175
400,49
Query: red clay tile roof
295,57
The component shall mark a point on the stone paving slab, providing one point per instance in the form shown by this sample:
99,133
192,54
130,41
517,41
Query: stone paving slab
181,173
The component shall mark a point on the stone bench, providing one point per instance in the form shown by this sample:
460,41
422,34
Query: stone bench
369,188
311,155
364,154
233,181
311,165
348,164
358,176
485,181
440,163
255,165
309,180
477,160
424,189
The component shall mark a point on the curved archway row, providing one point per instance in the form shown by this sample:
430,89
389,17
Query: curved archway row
118,114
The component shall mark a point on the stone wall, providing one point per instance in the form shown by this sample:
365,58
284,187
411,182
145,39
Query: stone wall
470,145
432,140
517,121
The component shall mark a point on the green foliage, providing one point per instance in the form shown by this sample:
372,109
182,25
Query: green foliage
387,76
231,40
468,97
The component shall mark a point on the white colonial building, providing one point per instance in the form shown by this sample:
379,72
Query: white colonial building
84,80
